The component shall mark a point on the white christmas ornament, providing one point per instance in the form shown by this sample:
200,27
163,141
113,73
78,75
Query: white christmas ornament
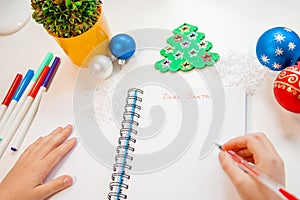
101,66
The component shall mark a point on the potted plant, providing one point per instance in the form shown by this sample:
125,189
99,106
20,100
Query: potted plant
77,25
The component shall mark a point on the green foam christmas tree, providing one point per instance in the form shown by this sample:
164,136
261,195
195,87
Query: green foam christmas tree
186,50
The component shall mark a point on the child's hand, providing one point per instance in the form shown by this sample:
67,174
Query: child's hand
26,179
255,148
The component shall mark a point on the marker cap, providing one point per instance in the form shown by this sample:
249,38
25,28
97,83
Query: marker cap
51,72
44,63
26,80
13,88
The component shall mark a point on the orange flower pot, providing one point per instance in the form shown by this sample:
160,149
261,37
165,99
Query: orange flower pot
78,48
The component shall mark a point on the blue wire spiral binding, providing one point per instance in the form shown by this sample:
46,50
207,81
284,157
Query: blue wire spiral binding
129,125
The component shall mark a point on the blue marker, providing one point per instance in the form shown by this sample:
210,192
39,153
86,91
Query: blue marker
23,85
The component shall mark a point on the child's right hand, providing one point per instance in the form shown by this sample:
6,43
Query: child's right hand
255,148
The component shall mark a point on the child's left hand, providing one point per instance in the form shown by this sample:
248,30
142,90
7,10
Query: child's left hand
26,179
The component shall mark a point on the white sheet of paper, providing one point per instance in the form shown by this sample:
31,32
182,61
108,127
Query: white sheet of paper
186,177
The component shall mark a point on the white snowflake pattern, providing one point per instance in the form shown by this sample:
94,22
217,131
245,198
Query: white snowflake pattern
292,46
279,38
265,58
287,29
276,65
278,51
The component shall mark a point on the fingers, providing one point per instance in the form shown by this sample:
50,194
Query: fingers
256,148
54,186
36,163
53,140
246,154
30,149
35,149
256,144
48,151
238,177
56,155
231,168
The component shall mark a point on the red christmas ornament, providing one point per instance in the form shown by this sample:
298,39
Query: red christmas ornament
287,88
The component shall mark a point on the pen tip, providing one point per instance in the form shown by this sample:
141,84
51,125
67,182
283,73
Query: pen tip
218,146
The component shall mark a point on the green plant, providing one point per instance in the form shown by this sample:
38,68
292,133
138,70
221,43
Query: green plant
66,18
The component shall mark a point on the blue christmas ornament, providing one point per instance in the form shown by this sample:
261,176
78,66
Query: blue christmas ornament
278,48
122,46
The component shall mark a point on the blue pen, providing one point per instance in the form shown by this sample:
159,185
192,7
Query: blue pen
23,85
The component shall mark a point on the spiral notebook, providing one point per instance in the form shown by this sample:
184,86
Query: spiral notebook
169,154
123,159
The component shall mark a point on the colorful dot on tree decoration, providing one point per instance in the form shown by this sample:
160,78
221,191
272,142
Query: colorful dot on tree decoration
278,48
287,88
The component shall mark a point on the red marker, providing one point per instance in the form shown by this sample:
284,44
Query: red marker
255,173
13,88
